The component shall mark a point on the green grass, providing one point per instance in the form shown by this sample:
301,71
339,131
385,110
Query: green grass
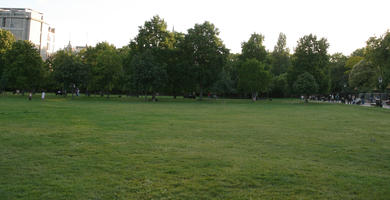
121,148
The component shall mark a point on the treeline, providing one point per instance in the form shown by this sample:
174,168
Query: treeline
159,61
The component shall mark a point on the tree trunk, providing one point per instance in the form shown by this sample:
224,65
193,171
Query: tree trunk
201,93
146,97
174,94
153,96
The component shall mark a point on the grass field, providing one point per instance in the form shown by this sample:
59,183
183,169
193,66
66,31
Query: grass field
120,148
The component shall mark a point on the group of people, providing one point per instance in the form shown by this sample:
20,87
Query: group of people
43,95
360,99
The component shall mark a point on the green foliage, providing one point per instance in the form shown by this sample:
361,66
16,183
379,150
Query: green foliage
338,73
148,75
280,57
206,54
199,61
378,53
177,67
279,86
254,48
311,56
23,67
359,52
352,61
153,55
224,85
6,41
305,85
363,76
108,69
153,34
69,70
253,78
104,63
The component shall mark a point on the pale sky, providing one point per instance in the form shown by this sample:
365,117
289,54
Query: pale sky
347,24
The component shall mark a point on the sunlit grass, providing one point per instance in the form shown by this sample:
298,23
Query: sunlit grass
124,148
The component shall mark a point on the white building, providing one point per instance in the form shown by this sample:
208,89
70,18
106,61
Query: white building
27,24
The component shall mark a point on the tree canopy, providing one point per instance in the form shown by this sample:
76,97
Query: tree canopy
206,54
254,48
311,56
378,53
23,67
6,41
253,78
363,76
159,61
306,85
69,70
280,57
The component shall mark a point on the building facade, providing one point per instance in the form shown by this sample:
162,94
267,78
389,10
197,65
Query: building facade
27,24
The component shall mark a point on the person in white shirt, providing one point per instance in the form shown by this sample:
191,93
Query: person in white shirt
43,95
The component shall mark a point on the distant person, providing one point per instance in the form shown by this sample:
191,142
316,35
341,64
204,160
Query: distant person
43,95
30,96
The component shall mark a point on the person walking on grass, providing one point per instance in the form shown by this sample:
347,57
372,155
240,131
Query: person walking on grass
43,95
30,96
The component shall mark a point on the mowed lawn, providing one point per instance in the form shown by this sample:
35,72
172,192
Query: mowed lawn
123,148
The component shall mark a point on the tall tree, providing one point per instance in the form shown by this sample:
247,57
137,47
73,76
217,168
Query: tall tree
206,54
254,48
253,78
311,56
227,83
305,85
363,76
337,73
280,57
148,75
23,67
279,86
6,41
124,84
378,53
153,40
153,34
352,61
108,69
69,70
104,64
178,68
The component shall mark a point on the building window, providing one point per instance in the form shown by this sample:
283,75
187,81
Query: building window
4,20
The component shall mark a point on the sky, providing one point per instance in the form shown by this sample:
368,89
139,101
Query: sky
347,24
